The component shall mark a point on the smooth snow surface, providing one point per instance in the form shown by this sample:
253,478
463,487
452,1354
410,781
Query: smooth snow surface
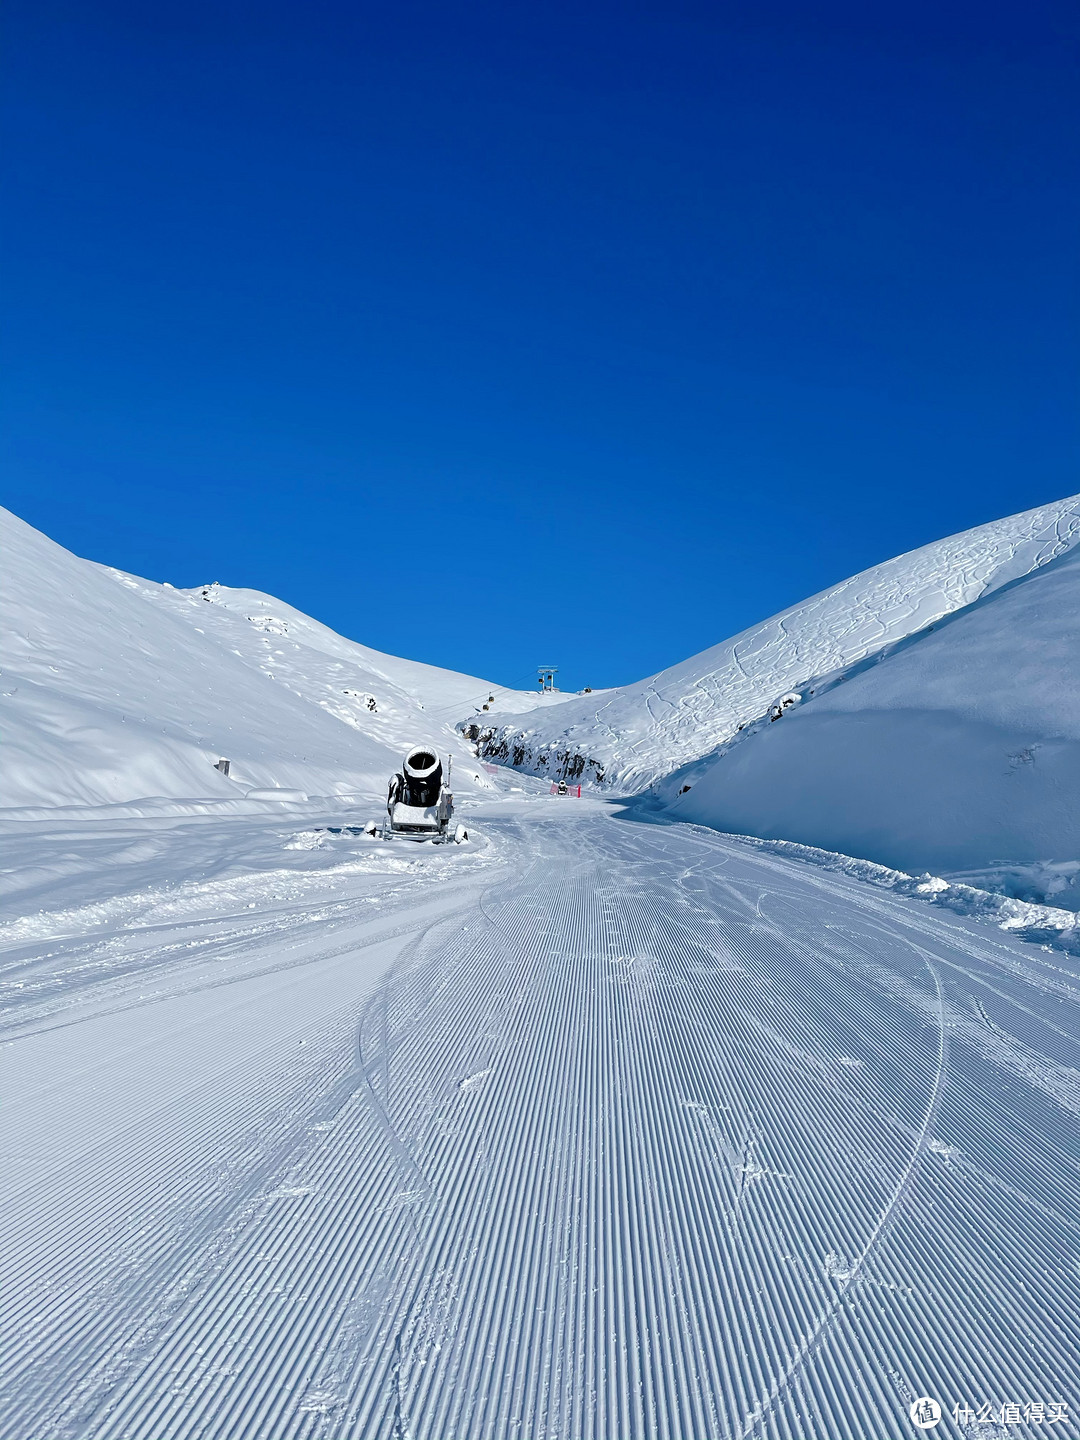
641,733
585,1129
119,690
959,752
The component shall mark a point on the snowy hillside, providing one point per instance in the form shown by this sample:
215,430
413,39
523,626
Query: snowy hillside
645,731
586,1128
117,690
959,752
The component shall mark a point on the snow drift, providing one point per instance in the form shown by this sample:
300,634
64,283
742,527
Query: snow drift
957,751
118,690
636,735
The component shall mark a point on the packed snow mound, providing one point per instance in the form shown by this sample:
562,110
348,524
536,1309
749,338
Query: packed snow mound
645,731
119,690
957,752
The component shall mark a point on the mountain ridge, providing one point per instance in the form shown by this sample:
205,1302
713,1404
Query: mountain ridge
646,731
119,690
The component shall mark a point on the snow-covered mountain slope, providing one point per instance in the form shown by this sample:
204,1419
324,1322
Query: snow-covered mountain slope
117,689
645,731
959,751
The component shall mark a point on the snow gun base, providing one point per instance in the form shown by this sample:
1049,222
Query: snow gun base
444,836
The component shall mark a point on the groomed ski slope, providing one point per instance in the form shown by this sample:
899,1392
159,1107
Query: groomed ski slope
588,1129
642,732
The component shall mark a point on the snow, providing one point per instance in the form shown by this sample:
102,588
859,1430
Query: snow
590,1127
956,752
596,1129
638,734
1048,925
117,690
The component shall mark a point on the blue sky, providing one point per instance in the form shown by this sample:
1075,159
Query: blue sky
501,334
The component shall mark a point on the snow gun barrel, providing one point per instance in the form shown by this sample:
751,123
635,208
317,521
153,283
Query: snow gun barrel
423,776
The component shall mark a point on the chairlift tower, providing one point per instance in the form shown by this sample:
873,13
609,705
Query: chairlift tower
545,675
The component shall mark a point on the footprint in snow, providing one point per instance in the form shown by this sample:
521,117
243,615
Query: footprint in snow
404,1199
318,1402
753,1171
836,1268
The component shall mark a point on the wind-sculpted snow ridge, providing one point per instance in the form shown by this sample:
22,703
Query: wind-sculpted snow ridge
956,751
1026,919
646,1135
643,732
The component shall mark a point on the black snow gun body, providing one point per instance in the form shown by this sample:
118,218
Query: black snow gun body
419,802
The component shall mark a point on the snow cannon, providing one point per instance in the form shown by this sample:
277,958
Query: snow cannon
419,802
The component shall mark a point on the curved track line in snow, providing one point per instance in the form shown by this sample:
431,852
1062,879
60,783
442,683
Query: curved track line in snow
651,1138
852,1276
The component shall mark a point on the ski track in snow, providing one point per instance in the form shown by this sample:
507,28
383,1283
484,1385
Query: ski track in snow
626,1131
